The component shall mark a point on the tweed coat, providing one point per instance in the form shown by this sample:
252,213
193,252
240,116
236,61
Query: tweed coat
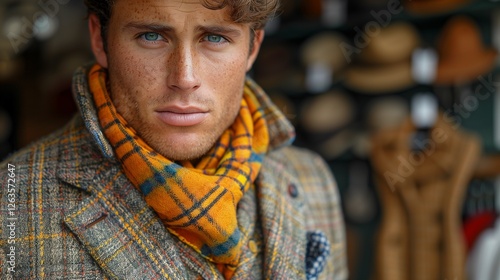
71,213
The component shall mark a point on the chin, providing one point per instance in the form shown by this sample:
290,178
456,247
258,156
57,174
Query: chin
179,144
188,155
180,150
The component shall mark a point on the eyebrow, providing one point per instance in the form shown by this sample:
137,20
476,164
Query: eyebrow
217,29
160,28
149,26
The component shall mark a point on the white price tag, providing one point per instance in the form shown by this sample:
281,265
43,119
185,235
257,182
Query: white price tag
318,77
424,110
424,65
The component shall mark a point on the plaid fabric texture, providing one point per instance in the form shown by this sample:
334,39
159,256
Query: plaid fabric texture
196,203
79,217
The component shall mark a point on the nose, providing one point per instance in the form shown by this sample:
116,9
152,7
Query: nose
183,66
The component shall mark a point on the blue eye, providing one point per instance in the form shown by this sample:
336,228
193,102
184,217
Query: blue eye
214,38
151,36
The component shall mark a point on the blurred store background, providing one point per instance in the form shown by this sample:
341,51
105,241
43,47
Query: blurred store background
401,98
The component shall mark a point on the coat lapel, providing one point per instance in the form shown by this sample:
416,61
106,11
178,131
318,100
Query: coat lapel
115,224
282,214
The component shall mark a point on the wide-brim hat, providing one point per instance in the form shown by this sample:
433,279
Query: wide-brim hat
391,44
386,113
462,55
433,6
327,112
324,48
380,79
326,122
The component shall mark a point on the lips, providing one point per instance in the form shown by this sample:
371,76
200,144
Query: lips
182,116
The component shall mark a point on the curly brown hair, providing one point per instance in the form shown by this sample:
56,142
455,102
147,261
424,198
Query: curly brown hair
255,12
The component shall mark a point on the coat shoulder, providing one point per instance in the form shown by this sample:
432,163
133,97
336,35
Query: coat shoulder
303,163
318,189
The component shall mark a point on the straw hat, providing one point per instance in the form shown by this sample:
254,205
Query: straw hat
324,48
327,112
384,65
394,43
462,55
326,121
433,6
386,113
380,79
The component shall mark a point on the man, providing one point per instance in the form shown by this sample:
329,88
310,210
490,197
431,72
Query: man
177,167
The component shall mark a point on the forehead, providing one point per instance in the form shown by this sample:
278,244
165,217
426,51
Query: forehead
169,10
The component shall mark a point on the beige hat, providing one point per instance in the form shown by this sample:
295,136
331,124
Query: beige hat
379,79
392,44
384,65
327,112
387,113
325,121
324,48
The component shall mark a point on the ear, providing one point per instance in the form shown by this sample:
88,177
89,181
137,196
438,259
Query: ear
257,41
96,41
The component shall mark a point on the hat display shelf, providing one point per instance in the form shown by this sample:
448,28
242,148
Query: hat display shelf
353,83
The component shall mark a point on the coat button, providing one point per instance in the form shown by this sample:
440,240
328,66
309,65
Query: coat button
293,191
253,246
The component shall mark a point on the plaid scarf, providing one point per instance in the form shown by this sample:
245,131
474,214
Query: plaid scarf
196,203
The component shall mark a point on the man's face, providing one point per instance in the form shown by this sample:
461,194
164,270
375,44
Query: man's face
176,71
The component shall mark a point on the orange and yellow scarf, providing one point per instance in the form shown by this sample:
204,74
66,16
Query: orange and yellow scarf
196,203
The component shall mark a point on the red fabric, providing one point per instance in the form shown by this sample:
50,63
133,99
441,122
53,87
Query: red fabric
474,226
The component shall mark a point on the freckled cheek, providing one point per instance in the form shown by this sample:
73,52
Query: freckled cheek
137,84
140,73
233,77
232,71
